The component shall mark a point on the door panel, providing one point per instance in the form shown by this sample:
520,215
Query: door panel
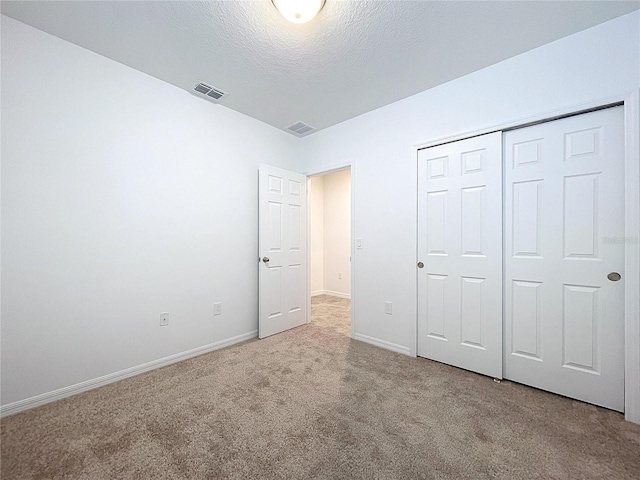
564,197
283,240
460,244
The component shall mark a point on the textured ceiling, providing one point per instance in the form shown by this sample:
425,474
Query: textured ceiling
354,57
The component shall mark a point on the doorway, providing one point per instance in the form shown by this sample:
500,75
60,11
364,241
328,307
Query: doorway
330,250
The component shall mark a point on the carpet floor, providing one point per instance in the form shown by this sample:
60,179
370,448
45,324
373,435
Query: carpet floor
312,403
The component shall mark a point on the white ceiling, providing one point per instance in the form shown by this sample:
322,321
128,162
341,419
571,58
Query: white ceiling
354,57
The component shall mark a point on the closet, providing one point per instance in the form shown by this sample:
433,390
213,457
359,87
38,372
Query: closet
520,275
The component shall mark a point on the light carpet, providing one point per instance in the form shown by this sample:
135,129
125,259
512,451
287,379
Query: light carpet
312,403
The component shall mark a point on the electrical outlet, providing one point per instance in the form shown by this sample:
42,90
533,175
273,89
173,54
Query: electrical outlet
164,319
217,309
388,308
339,276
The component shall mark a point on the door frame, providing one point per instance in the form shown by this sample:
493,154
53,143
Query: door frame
318,173
630,101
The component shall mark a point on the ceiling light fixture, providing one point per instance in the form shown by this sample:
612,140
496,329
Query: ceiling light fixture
298,11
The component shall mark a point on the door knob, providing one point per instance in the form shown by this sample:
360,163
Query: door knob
614,276
265,259
420,264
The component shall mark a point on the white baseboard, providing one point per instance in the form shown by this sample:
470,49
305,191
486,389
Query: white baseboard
331,293
383,344
337,294
36,401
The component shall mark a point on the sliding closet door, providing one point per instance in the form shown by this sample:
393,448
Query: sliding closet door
564,257
460,254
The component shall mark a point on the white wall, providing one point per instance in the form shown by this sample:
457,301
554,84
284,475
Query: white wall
330,203
316,218
337,233
122,197
593,64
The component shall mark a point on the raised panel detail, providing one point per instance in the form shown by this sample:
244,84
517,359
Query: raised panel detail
527,153
581,216
473,162
437,168
295,233
525,319
295,287
579,328
275,227
471,312
274,292
275,184
436,209
526,218
472,217
435,306
583,143
283,243
294,188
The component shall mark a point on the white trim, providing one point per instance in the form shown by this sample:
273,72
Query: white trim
542,117
331,294
331,169
414,182
631,104
383,344
61,393
308,291
353,248
352,307
632,258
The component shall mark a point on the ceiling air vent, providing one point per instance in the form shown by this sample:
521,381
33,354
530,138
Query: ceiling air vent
300,128
209,91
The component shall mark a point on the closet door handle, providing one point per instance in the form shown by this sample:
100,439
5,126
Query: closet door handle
614,276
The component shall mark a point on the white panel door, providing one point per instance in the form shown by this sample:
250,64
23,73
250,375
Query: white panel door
564,214
282,249
460,245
